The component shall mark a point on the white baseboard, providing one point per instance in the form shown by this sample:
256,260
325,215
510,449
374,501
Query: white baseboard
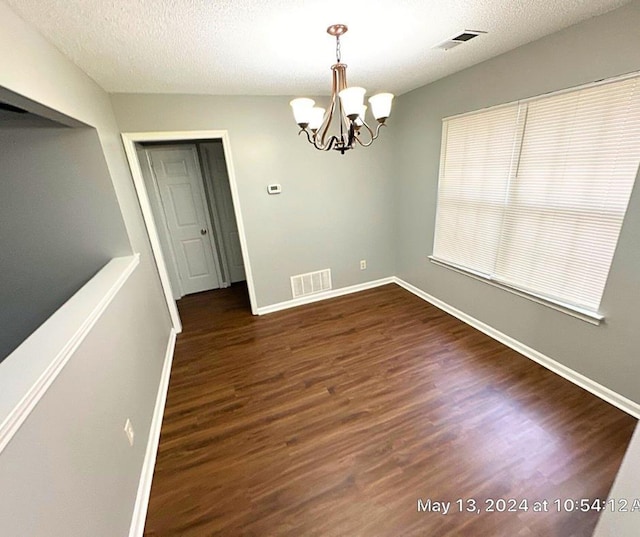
324,296
627,405
146,476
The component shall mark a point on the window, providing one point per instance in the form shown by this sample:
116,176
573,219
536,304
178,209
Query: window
532,195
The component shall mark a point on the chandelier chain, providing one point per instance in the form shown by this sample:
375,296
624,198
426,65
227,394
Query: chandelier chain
338,52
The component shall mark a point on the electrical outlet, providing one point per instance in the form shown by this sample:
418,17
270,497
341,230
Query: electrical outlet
128,429
363,264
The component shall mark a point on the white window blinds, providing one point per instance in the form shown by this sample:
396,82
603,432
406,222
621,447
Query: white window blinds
532,195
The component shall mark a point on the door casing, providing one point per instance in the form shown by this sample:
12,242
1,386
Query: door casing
129,140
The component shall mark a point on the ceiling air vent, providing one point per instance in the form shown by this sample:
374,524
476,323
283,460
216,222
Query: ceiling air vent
311,283
458,39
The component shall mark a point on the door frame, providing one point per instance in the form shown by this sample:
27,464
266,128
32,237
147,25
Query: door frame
129,140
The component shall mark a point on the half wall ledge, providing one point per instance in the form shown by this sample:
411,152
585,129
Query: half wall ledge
27,373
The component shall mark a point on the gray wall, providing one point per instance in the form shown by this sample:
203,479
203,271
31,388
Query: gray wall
59,223
598,48
69,471
334,209
69,466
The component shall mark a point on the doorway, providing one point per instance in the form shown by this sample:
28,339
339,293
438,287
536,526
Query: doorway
188,186
219,223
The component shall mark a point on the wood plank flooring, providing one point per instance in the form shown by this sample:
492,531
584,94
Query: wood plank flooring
336,418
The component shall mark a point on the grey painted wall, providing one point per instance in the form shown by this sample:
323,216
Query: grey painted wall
583,53
59,223
334,209
69,470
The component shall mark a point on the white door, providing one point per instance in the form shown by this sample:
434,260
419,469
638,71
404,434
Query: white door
177,172
214,154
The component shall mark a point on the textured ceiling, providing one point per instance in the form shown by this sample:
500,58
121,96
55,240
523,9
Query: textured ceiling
279,47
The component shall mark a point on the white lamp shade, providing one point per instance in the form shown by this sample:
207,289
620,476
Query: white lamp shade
317,115
360,118
381,105
302,110
352,100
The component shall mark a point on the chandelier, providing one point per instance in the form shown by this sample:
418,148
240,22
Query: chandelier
346,110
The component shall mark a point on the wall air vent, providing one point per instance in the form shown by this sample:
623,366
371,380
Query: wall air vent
458,39
310,283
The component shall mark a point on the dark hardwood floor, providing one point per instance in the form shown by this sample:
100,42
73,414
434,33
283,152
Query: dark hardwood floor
336,418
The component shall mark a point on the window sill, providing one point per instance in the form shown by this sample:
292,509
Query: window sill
575,311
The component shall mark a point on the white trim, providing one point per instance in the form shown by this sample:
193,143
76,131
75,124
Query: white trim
235,197
627,405
324,296
129,140
27,373
146,475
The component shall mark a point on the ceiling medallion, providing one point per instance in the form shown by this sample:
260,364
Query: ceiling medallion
346,110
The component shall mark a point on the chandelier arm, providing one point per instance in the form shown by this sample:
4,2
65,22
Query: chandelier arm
308,135
317,144
347,131
320,144
313,140
340,71
371,133
326,124
345,123
324,128
329,145
332,141
363,144
372,136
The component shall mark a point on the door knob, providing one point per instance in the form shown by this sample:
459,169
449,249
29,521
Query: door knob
203,231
